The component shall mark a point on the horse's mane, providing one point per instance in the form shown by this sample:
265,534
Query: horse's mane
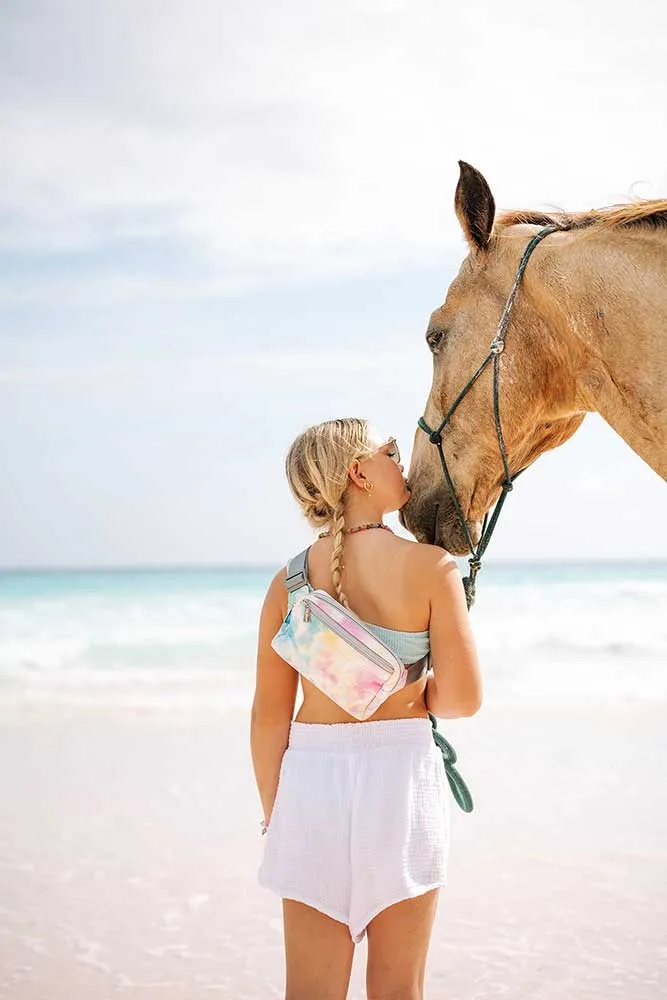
645,213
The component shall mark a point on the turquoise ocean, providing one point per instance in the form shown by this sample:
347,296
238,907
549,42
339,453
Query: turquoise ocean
183,640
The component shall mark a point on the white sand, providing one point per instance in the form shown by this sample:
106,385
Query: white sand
129,850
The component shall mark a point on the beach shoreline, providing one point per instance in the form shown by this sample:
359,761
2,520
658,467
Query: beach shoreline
130,845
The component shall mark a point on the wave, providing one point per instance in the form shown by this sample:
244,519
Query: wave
189,639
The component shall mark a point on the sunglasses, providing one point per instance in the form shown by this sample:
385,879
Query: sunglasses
390,449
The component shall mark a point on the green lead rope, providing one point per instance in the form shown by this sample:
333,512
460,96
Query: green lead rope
460,790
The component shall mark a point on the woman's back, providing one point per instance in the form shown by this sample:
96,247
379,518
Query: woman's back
405,586
380,579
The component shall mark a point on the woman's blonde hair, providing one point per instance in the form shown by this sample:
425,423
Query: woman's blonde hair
316,466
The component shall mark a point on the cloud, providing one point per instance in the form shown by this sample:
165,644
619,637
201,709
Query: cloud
224,373
298,141
222,221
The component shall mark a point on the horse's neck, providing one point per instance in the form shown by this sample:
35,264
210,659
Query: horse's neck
617,312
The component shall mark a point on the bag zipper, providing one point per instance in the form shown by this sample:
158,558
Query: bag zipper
311,609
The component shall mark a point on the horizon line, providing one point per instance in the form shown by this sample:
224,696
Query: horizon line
268,567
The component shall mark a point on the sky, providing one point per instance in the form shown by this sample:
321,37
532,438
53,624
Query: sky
222,222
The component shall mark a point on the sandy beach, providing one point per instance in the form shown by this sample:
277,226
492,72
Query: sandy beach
129,846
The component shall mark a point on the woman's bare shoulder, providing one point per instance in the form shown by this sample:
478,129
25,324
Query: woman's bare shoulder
428,556
276,594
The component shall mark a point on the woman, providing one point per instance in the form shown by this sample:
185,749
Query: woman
356,813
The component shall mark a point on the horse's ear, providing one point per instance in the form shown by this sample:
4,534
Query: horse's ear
474,206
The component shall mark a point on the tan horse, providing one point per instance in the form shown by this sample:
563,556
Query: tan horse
588,333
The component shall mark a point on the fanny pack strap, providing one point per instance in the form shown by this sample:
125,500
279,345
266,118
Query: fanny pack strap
297,575
297,571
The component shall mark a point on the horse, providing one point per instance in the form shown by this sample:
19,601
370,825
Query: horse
587,333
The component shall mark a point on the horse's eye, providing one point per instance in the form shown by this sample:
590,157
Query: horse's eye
434,338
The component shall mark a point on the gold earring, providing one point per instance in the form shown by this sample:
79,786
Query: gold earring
368,486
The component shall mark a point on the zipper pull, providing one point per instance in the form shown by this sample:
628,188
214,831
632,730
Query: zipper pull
306,613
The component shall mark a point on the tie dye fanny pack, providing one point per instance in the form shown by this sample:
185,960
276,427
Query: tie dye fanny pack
333,649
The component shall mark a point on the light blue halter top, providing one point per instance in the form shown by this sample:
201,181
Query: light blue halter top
408,646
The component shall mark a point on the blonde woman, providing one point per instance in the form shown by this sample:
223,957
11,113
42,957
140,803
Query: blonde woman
357,813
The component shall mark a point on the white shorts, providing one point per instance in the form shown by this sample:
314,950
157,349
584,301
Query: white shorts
360,820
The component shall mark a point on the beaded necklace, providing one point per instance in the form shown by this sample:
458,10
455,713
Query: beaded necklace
359,527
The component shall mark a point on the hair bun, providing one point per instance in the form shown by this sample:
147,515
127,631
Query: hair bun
317,465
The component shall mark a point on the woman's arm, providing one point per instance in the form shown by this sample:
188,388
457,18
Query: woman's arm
455,687
275,695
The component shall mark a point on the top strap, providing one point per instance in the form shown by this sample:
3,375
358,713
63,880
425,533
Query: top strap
418,669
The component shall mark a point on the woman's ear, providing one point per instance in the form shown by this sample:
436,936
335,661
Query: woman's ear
356,475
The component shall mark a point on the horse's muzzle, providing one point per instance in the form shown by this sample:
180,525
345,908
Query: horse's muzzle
433,520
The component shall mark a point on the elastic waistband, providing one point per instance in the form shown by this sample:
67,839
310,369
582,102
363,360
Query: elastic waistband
347,736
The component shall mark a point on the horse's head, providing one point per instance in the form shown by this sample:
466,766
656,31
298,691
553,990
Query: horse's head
535,378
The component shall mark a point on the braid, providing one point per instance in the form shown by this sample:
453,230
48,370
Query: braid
337,526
